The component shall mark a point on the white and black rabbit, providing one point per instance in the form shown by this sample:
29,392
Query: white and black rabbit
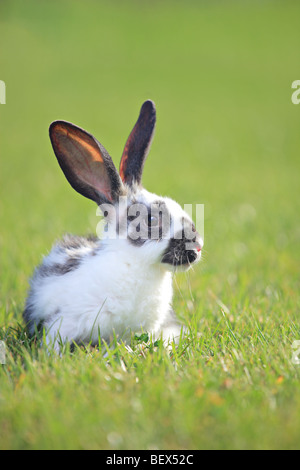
91,288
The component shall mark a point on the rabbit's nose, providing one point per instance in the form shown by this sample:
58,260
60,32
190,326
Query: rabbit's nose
198,245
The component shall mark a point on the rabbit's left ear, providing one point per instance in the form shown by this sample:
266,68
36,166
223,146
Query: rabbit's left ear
138,145
85,162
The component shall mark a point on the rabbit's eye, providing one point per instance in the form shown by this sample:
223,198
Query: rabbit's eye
152,221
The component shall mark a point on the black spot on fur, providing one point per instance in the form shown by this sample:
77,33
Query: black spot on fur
75,241
177,253
58,269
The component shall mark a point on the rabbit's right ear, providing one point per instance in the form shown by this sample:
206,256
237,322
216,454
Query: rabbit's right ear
85,162
138,145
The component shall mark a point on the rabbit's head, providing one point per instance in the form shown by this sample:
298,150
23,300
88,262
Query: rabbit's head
155,228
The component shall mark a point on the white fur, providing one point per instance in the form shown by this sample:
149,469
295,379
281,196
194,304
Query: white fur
108,292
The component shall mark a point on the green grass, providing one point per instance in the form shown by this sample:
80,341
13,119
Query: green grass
227,136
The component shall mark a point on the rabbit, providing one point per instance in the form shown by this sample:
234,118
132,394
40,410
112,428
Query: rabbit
89,289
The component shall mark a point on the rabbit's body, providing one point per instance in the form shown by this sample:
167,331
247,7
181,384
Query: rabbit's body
83,300
88,288
90,297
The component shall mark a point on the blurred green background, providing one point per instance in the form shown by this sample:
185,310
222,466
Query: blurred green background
227,135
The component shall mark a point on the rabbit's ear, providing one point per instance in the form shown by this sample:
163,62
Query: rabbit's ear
85,162
138,145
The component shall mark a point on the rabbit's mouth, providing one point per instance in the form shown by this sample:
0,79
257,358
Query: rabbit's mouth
182,253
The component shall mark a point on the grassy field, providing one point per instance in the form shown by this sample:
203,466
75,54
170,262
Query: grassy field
227,136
